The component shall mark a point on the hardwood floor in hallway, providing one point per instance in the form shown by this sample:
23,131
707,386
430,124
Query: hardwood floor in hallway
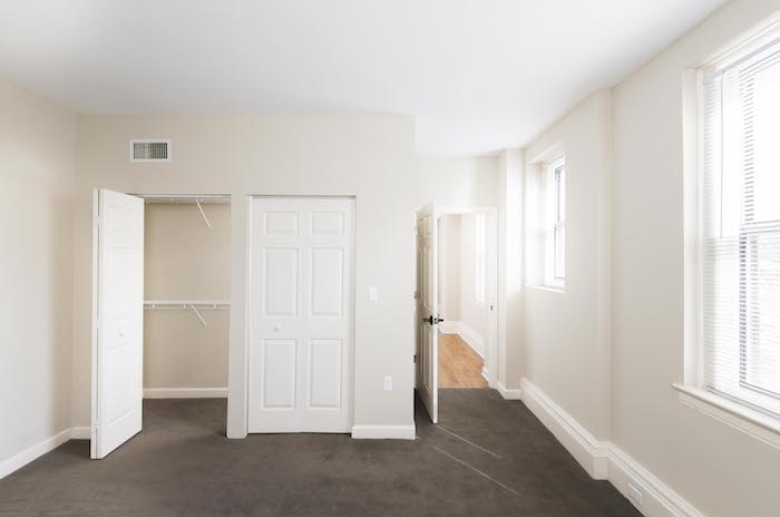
459,365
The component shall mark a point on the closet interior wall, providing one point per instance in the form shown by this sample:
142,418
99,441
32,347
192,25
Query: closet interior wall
186,259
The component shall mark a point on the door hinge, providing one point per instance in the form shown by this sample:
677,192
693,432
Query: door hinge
415,358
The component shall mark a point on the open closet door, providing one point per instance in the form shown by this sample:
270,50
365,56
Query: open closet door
427,310
118,301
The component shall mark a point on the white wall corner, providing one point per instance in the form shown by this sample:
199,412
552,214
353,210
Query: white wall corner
384,432
508,393
591,453
21,459
604,460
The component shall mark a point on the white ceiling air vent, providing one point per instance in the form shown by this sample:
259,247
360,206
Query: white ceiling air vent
150,150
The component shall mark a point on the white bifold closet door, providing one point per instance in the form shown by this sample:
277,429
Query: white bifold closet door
301,315
118,302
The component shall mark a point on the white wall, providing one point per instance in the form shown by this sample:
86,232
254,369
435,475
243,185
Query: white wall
716,468
567,341
473,314
37,144
367,157
511,293
184,259
720,470
457,280
449,267
457,181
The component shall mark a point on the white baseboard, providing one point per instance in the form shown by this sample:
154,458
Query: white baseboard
384,432
448,327
604,460
80,433
591,453
21,459
485,373
466,333
658,499
472,339
507,393
185,393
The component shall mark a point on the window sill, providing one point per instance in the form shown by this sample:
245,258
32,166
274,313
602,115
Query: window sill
548,288
750,421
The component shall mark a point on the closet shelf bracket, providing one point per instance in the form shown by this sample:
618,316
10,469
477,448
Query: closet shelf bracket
200,207
198,315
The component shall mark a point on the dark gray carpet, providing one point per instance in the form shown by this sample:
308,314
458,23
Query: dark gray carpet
183,466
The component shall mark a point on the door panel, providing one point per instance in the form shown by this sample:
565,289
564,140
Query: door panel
427,310
301,315
117,352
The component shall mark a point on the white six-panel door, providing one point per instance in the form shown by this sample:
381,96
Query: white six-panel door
300,351
427,310
118,297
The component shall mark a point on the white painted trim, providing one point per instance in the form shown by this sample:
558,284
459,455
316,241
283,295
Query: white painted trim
485,374
587,450
466,333
658,499
21,459
185,393
507,393
739,416
605,460
384,432
472,339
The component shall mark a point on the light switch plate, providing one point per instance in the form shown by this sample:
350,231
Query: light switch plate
373,294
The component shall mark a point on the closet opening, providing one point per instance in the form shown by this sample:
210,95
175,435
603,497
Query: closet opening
161,324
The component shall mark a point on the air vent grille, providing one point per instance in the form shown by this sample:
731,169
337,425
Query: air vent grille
150,151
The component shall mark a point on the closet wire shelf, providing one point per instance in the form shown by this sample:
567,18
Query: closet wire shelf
194,305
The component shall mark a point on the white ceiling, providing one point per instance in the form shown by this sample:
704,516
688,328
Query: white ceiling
477,75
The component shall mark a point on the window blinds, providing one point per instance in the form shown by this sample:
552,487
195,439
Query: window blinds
740,239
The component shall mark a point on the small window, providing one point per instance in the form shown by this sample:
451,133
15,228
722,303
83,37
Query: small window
555,226
739,240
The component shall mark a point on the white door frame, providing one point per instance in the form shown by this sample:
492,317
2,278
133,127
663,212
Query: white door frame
492,359
248,297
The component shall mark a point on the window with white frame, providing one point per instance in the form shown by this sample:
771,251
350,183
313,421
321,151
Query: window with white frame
739,232
480,257
555,223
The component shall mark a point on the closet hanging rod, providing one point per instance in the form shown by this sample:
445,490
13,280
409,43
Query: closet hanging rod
184,198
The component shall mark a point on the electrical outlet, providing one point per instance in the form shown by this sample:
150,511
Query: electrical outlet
388,383
635,495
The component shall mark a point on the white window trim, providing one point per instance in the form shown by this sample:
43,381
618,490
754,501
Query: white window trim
755,423
739,416
550,280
